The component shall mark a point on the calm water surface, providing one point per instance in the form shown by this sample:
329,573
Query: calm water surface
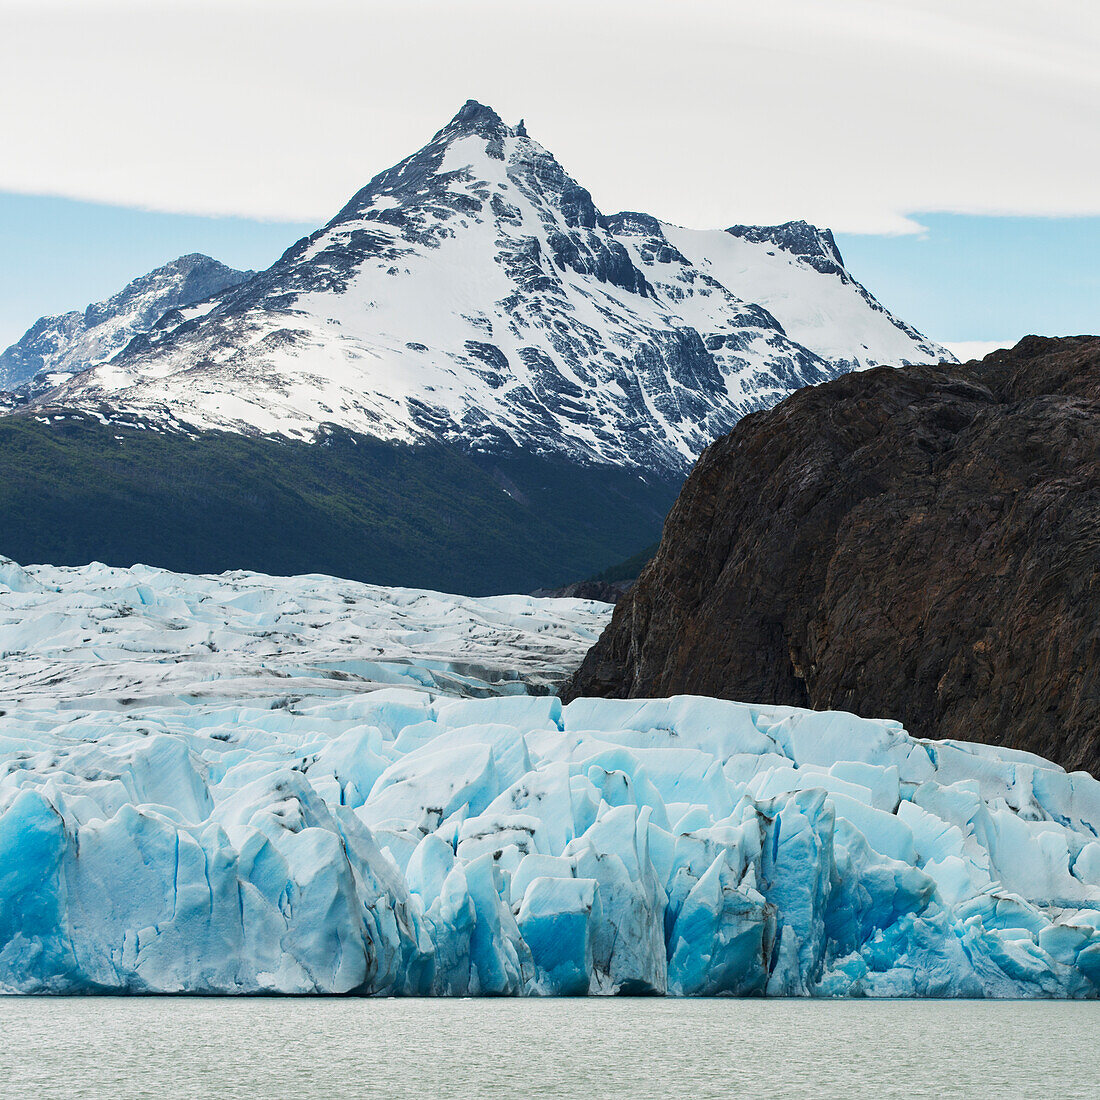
179,1049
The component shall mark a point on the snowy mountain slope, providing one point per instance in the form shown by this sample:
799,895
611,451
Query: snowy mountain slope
474,294
781,268
56,348
285,830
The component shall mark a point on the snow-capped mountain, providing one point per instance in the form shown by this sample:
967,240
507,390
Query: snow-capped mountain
474,294
53,349
506,387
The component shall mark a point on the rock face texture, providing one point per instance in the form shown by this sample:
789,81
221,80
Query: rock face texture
601,591
921,543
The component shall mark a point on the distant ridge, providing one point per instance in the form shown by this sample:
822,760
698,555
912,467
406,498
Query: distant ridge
54,349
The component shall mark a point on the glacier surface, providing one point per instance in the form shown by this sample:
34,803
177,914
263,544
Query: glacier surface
102,636
346,837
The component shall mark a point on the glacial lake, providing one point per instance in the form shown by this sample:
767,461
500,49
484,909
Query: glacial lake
198,1049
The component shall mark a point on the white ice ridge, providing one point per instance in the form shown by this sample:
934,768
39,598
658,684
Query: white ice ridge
403,841
141,636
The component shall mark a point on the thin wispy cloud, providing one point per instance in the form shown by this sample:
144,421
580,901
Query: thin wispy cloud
850,113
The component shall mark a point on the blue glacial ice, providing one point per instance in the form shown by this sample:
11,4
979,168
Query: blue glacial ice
398,842
183,830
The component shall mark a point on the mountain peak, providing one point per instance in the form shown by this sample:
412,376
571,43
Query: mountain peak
191,259
473,292
68,344
476,118
800,237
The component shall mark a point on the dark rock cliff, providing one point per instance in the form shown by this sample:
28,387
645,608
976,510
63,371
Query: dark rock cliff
919,543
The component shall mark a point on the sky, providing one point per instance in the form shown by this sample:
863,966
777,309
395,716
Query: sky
953,145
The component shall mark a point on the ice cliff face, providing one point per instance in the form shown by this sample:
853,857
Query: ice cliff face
55,348
475,293
331,839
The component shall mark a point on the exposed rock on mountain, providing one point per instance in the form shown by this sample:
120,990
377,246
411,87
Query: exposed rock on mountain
610,585
922,543
469,379
600,591
474,294
54,349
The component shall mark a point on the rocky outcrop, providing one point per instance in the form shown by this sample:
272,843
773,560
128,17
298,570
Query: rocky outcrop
920,543
600,591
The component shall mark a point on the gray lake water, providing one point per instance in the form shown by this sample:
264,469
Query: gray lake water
182,1048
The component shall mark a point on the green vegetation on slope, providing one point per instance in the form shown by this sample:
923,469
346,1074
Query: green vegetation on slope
628,570
76,490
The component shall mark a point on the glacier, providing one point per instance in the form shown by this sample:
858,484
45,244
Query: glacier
291,827
120,637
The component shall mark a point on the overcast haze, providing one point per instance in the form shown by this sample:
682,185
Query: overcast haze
133,132
848,113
